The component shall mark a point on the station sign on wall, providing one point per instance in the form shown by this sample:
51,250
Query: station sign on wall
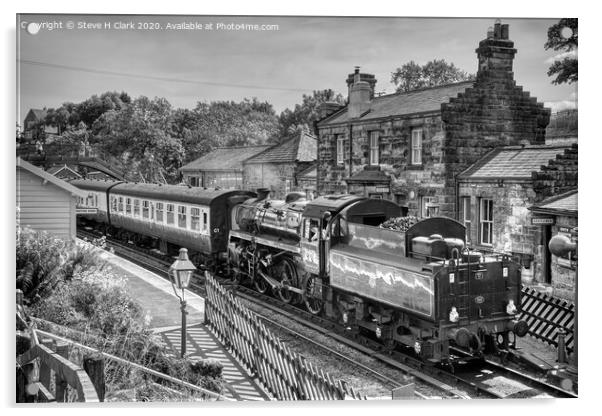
543,220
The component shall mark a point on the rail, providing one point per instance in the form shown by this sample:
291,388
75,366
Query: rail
286,374
546,315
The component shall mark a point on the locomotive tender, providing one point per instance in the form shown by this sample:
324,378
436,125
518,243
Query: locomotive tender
421,288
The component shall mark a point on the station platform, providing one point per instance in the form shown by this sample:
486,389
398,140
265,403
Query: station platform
155,295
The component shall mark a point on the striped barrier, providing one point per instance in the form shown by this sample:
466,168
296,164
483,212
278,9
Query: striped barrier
547,315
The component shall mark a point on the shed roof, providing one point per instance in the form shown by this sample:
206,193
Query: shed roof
302,148
512,162
224,159
404,103
67,187
565,203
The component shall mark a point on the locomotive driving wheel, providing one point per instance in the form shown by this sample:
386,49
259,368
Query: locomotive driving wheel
261,285
313,296
286,271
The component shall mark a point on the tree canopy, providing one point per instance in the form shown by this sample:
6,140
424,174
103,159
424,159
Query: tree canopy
411,76
563,36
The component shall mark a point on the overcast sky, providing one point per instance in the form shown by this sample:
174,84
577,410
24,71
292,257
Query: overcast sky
303,54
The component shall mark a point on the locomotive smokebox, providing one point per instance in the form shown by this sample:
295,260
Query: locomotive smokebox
262,193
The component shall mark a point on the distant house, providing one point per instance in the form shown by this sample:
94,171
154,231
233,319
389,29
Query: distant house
563,127
560,214
64,172
45,202
495,193
278,167
33,117
220,168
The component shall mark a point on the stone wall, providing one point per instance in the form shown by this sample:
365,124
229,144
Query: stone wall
273,176
512,229
559,176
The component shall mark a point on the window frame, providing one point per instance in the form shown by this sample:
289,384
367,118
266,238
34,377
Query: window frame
128,206
340,148
147,203
198,218
185,215
136,212
485,221
416,161
170,211
431,201
467,216
374,136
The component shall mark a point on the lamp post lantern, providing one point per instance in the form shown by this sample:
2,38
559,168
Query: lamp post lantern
180,273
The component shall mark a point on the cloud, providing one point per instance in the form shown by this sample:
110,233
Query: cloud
561,56
561,105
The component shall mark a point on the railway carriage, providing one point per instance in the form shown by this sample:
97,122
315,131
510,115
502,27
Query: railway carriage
165,215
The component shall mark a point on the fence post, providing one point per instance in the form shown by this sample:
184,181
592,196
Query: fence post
94,366
561,346
22,373
44,369
62,349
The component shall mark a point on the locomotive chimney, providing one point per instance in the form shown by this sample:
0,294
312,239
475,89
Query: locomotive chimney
262,193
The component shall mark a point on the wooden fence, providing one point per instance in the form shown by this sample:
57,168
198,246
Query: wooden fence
286,374
546,315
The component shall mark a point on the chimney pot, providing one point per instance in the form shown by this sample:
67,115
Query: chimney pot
505,32
497,29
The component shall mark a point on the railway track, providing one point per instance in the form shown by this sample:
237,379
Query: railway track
487,380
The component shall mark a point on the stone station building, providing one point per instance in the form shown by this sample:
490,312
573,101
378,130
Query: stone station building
409,147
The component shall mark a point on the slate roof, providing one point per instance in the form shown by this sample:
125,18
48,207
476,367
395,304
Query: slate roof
224,159
512,162
566,203
302,148
40,114
404,103
67,187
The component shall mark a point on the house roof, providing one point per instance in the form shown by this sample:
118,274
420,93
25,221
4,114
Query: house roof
97,165
512,162
40,114
566,203
302,148
224,159
58,168
50,178
404,103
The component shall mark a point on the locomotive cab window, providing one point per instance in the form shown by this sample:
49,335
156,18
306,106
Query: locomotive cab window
170,214
159,211
195,219
181,216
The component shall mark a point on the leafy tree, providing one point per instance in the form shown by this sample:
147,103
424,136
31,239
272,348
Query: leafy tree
139,136
411,76
303,116
563,37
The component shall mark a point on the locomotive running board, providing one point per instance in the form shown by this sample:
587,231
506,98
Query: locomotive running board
265,241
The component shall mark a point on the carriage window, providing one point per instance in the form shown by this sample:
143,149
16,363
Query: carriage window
204,220
128,206
113,203
95,200
120,204
145,209
136,207
159,211
195,219
181,216
170,214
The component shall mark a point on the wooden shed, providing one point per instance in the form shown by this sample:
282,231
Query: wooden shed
45,202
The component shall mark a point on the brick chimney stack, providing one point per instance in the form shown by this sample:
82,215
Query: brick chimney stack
496,54
369,78
360,94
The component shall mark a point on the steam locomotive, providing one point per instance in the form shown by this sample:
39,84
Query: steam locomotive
421,288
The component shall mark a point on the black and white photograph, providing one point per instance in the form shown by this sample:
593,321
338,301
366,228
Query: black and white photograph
295,207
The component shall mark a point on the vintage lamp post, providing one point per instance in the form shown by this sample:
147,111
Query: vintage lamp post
179,276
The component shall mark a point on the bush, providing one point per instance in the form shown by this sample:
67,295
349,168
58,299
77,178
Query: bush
44,262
